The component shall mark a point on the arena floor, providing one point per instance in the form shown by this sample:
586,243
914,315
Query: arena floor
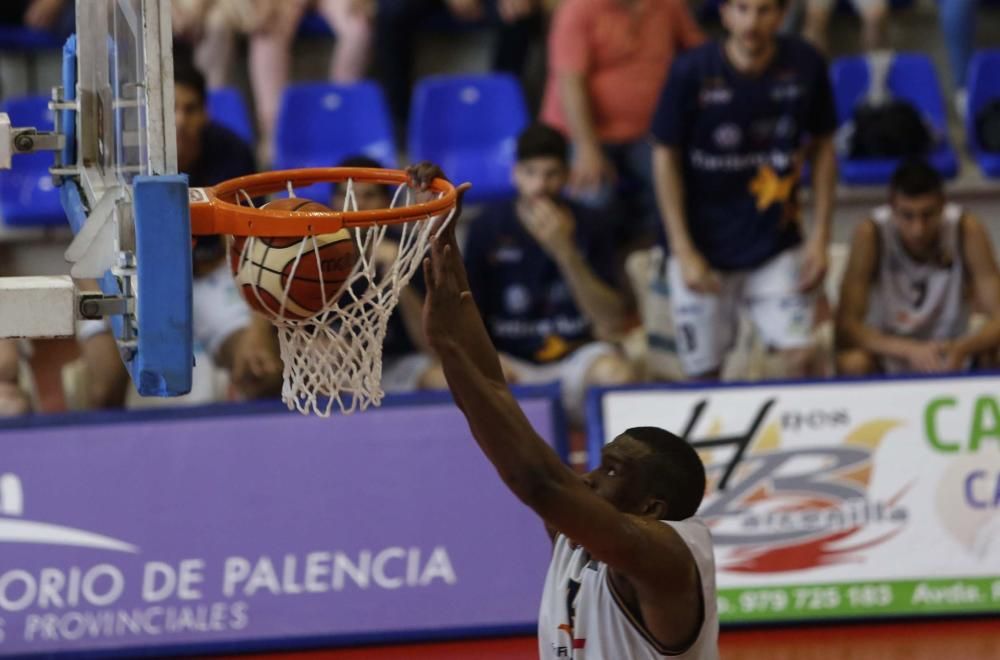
951,640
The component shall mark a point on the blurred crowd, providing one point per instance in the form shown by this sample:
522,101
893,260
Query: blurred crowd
656,230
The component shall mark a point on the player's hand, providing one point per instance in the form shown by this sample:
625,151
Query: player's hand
698,275
257,369
512,11
448,293
549,223
421,176
955,356
466,10
815,262
590,170
927,357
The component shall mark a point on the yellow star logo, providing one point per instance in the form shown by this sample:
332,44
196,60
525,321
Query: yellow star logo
553,349
769,188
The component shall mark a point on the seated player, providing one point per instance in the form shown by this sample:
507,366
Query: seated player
13,399
632,573
406,366
239,341
916,269
540,268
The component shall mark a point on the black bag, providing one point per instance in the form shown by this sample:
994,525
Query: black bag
988,126
890,130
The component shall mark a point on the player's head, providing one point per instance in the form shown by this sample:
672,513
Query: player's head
369,196
753,24
190,111
650,472
542,166
916,194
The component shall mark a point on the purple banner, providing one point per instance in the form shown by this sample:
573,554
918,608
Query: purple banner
238,529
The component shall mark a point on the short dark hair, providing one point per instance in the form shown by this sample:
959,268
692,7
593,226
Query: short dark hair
914,177
542,141
677,473
360,160
187,74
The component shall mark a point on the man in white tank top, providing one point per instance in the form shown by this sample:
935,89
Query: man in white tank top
632,574
917,268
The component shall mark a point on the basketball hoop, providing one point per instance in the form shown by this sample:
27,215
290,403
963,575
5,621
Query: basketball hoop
332,356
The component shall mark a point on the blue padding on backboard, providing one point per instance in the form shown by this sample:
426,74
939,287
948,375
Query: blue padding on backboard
69,94
73,206
162,365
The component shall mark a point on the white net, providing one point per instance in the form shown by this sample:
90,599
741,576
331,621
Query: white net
333,357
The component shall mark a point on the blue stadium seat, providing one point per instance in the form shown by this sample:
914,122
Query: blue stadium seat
226,106
313,25
22,39
469,125
320,124
912,78
28,198
984,86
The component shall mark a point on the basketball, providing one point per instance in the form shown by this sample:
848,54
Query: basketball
269,266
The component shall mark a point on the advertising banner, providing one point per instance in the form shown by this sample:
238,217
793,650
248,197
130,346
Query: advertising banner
840,500
237,528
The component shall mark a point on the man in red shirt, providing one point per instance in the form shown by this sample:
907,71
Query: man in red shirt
608,61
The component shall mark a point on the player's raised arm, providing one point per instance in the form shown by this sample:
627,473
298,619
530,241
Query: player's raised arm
649,553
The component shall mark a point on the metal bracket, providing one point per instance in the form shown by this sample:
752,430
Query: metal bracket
92,250
28,140
98,305
25,140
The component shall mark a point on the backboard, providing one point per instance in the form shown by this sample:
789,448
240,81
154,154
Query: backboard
123,197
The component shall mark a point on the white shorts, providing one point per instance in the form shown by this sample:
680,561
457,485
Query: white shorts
402,373
706,324
570,373
218,311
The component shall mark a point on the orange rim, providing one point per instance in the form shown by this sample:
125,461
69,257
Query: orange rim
216,210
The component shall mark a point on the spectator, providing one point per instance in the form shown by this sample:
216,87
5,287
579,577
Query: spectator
874,21
406,366
539,270
517,23
271,26
958,25
608,60
238,341
13,400
915,266
736,121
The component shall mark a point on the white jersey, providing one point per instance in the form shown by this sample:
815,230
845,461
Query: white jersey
218,311
920,300
582,618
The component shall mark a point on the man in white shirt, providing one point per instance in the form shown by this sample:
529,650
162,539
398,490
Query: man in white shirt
632,573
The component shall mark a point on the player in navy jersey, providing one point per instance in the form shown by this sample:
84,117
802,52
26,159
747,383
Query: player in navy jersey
737,122
541,270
